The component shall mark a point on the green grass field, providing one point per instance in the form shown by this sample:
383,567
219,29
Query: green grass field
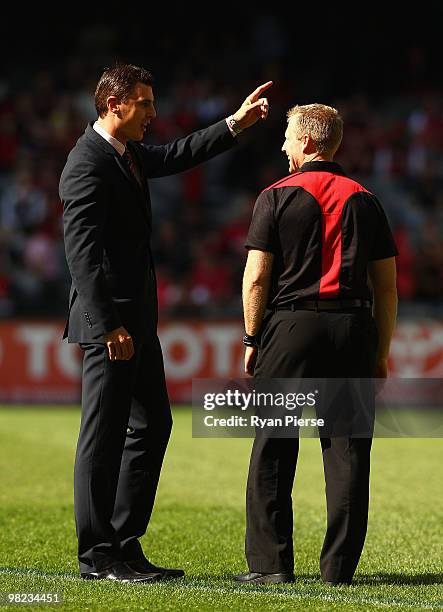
198,524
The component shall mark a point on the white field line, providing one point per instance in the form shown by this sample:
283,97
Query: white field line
235,590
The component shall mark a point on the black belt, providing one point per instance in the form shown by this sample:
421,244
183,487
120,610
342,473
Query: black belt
324,305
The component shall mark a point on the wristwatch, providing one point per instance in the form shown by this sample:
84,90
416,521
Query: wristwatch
233,125
250,340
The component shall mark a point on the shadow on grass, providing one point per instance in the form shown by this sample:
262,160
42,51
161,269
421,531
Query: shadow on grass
394,578
33,571
359,580
383,578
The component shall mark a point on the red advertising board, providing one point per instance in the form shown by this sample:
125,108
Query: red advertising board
36,366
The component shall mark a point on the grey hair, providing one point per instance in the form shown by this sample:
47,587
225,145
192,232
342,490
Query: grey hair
322,123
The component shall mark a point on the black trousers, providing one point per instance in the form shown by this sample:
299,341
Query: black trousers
125,427
310,344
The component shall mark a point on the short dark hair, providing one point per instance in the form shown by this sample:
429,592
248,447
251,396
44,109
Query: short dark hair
119,81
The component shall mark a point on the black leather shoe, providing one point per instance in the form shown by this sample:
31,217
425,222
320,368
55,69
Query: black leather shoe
144,566
120,572
262,578
332,583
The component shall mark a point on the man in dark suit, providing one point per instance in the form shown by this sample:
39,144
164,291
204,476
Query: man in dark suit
126,418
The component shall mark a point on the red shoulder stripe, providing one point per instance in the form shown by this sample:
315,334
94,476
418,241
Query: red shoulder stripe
331,191
284,182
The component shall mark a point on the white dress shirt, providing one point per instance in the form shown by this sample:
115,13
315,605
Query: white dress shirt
118,146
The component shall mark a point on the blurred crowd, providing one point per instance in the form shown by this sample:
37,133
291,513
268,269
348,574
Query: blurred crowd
393,144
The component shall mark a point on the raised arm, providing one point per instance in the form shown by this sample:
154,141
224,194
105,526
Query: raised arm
185,153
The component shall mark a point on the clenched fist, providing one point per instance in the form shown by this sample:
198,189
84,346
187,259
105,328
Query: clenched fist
119,343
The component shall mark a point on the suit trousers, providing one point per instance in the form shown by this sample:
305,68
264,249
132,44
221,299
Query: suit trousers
311,344
125,427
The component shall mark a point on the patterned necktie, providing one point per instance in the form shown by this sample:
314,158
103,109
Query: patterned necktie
131,165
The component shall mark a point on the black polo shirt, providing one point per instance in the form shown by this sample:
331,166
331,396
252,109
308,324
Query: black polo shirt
323,228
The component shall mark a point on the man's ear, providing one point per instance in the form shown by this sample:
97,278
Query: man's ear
308,144
113,105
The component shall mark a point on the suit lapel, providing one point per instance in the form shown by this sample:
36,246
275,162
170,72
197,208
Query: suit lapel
141,194
143,189
124,168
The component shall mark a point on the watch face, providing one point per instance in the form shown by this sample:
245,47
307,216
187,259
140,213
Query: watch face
237,129
234,125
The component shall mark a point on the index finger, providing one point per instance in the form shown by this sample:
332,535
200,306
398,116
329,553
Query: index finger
129,347
111,351
256,93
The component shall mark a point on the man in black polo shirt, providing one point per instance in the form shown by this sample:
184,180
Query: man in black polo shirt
316,239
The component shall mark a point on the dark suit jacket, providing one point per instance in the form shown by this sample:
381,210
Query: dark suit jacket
107,227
